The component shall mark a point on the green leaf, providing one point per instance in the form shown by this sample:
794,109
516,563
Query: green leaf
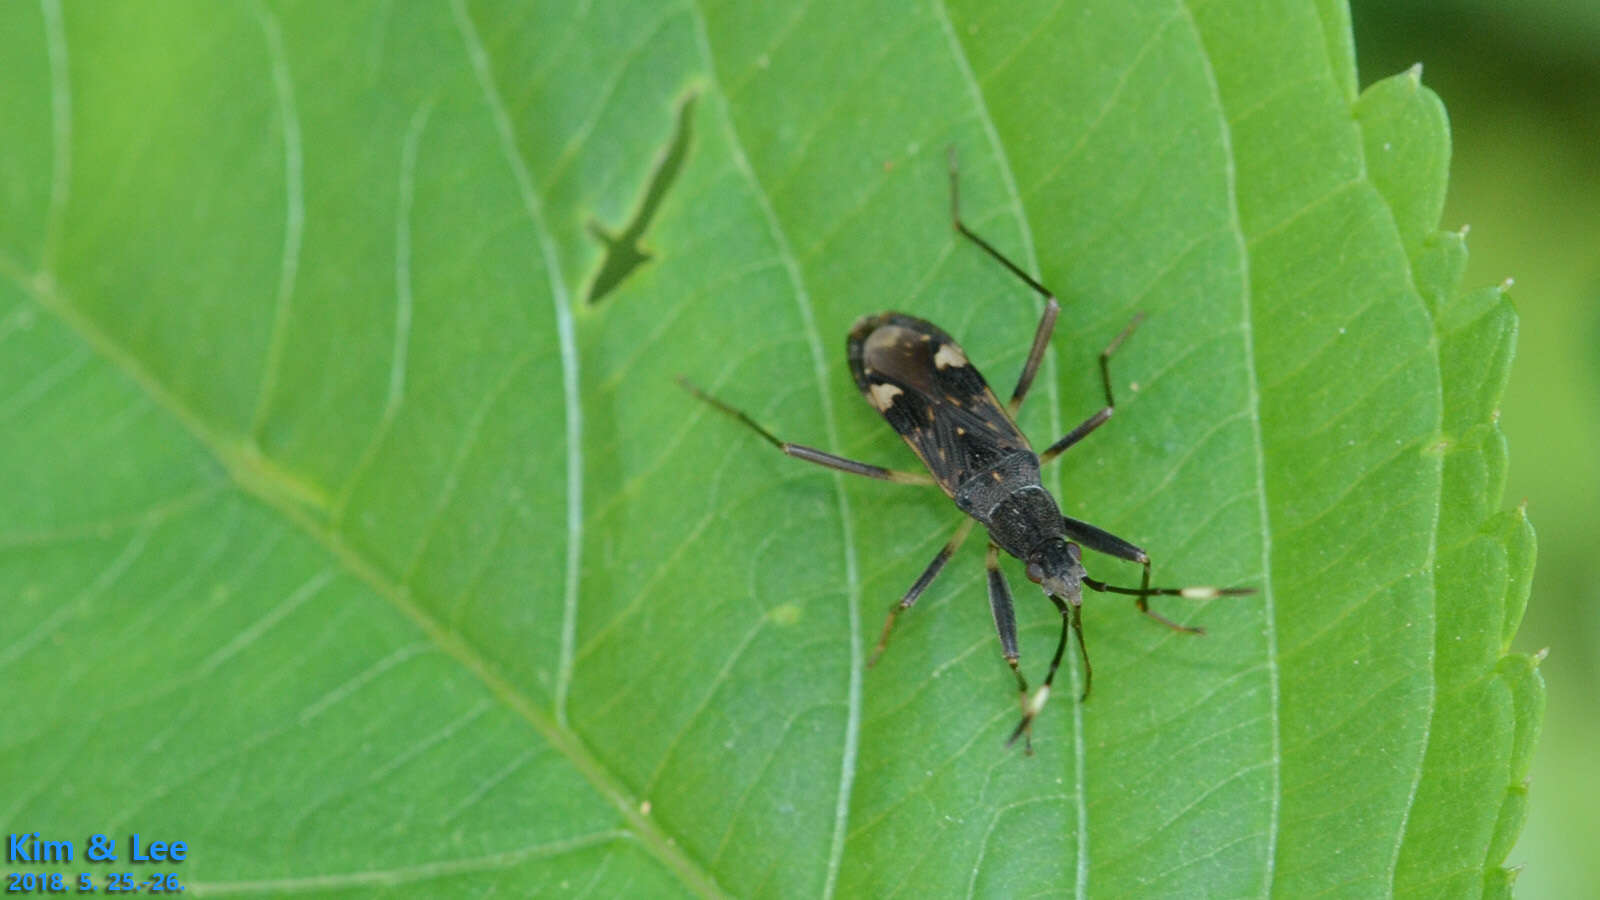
1469,804
346,541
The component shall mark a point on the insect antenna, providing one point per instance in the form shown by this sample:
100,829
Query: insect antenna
1071,618
1145,591
1197,592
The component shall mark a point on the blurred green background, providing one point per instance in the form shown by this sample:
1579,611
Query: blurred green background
1522,85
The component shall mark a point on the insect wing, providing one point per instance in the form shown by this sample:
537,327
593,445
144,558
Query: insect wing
921,381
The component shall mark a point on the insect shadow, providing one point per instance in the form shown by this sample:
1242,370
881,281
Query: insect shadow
624,250
920,380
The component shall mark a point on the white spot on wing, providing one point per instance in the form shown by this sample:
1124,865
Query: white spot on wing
883,395
949,356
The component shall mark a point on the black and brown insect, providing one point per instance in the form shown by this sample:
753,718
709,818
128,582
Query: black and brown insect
921,381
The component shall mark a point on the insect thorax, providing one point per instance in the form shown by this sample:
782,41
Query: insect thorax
1010,499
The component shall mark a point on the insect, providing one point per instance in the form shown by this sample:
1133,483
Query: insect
921,381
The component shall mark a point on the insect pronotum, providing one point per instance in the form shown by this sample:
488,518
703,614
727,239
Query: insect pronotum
920,380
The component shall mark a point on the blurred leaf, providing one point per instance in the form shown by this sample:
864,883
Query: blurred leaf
350,546
1545,33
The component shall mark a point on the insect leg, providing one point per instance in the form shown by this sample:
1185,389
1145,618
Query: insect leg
1047,321
1102,541
1005,622
1041,340
1071,618
811,454
1099,418
1105,542
921,584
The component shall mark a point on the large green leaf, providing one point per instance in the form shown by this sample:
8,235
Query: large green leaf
344,540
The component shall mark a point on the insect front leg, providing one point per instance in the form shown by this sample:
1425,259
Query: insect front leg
811,454
1005,622
1052,309
1100,417
921,584
1101,541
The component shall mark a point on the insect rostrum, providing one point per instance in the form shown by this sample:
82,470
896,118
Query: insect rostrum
922,383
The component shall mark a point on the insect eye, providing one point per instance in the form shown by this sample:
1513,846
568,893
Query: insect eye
1035,572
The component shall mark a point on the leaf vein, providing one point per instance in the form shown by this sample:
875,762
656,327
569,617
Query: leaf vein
852,729
60,129
294,212
607,92
568,343
458,461
1247,326
1048,371
378,878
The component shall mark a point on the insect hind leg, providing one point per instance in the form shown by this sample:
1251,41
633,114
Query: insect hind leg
810,454
1052,308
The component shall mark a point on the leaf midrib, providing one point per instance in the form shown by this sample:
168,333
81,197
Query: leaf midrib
254,476
258,476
